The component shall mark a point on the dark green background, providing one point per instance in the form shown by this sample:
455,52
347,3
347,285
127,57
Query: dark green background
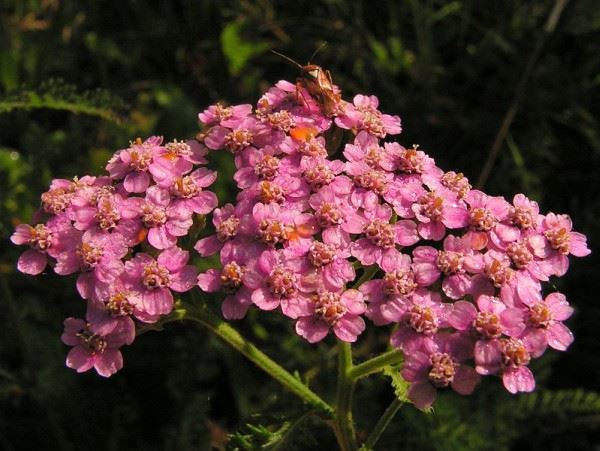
449,69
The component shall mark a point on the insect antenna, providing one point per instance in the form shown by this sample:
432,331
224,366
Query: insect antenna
318,49
287,58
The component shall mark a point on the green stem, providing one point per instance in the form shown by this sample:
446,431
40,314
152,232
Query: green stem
376,364
343,423
367,275
203,315
382,424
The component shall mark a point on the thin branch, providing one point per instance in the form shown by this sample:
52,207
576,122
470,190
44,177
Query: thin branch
549,28
382,424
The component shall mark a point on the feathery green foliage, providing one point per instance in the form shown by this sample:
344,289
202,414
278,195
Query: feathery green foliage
55,94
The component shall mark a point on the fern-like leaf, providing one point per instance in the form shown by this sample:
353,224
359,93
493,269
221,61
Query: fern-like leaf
55,94
565,402
398,382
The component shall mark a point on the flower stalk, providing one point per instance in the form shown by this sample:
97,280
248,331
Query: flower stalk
375,364
382,424
203,315
343,423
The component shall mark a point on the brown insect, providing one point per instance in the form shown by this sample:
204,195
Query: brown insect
317,81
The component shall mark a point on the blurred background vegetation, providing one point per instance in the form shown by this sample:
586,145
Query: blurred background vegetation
80,79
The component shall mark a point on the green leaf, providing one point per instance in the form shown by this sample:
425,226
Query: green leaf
287,436
237,51
55,94
398,382
562,402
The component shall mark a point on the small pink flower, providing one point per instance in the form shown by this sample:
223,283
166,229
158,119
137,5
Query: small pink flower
488,218
155,279
424,315
241,135
439,365
369,183
544,325
274,225
291,192
516,287
259,164
403,192
276,280
437,180
97,346
44,240
488,320
176,159
319,172
330,310
366,149
233,279
456,261
332,208
307,144
58,198
381,237
97,255
229,279
388,298
219,114
524,213
328,259
188,193
510,357
116,300
164,219
562,241
437,210
227,222
132,164
364,115
412,160
109,211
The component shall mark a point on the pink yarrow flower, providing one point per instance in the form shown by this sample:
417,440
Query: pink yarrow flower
155,279
97,346
562,241
363,114
330,310
544,321
276,280
165,220
219,114
176,159
329,259
389,297
422,317
132,164
44,240
189,195
233,279
439,364
437,210
381,238
456,262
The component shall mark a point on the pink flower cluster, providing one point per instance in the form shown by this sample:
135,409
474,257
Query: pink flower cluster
325,232
119,234
458,272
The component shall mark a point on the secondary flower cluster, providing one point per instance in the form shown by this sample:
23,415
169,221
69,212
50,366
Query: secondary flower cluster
119,234
332,224
458,272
